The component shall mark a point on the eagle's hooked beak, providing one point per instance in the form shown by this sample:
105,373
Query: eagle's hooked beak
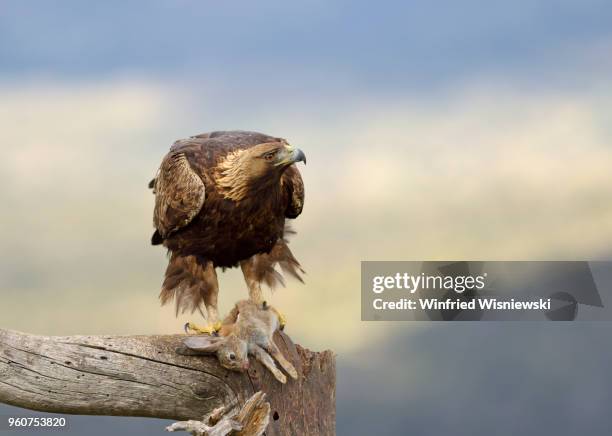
291,155
299,156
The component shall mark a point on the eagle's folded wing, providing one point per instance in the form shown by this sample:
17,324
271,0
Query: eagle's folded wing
179,194
292,181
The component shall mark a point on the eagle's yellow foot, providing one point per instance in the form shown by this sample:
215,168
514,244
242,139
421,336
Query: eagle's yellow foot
210,329
281,319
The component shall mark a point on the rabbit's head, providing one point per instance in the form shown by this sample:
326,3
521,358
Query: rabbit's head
231,351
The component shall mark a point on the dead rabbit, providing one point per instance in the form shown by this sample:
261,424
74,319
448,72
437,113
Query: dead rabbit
247,330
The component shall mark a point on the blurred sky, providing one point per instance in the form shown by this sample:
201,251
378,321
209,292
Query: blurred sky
433,130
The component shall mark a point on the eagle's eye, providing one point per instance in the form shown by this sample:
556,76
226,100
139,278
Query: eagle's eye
269,156
232,356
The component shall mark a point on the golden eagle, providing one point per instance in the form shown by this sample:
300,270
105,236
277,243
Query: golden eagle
221,200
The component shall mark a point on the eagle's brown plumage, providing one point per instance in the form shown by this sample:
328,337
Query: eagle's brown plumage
221,200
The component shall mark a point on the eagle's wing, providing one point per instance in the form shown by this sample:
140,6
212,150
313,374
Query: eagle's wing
179,194
292,181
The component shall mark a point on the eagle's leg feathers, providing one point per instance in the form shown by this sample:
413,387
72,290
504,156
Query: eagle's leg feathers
192,282
261,268
252,280
210,300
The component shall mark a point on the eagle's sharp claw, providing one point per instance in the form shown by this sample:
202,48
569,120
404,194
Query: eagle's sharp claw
210,329
282,321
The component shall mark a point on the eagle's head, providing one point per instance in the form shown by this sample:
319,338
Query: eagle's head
259,166
270,159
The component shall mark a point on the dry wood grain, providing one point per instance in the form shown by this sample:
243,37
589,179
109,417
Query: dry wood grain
144,376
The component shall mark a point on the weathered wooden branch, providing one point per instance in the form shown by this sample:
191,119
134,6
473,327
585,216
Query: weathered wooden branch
144,376
251,420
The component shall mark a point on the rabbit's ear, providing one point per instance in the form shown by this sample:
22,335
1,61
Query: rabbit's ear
204,344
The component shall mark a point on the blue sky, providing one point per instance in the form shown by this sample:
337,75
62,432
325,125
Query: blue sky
392,45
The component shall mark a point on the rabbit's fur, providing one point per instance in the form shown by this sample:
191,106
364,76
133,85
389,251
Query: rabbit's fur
247,330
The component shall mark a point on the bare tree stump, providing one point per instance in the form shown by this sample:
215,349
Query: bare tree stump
144,376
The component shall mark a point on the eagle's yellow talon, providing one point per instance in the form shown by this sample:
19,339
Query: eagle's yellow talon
210,329
282,321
